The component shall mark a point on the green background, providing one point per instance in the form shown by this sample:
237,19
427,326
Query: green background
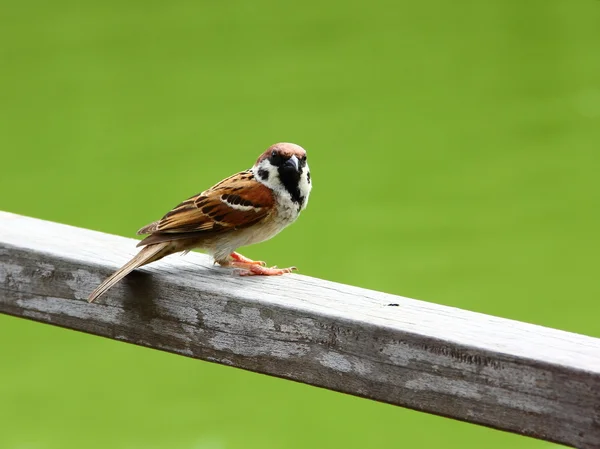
454,152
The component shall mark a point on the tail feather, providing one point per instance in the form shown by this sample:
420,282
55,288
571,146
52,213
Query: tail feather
146,255
149,229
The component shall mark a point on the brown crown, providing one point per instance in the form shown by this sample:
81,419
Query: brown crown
285,149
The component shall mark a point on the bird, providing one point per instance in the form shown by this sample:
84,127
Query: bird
246,208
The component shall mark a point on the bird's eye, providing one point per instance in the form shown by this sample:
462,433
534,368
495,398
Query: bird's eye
275,159
304,157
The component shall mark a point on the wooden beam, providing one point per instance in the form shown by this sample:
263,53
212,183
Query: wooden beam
513,376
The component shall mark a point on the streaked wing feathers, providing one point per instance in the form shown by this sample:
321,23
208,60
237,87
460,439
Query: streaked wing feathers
236,202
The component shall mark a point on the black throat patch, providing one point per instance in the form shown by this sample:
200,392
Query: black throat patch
291,181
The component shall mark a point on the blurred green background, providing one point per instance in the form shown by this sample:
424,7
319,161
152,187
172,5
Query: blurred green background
454,151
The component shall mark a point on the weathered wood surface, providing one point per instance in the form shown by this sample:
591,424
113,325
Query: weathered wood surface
514,376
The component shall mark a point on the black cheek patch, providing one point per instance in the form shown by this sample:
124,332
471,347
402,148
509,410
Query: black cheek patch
263,174
308,177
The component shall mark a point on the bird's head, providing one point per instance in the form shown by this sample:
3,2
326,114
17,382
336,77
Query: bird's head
283,168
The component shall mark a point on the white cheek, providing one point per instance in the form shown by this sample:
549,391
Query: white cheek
273,180
305,186
274,177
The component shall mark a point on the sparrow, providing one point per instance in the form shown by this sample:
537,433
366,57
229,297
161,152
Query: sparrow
249,207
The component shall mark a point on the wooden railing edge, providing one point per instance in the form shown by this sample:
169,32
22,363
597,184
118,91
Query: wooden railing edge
513,376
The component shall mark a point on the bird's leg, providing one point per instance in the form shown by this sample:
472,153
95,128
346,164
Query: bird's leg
238,258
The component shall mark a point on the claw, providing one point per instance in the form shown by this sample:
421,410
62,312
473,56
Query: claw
255,270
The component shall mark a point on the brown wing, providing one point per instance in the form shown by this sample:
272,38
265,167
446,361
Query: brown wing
236,202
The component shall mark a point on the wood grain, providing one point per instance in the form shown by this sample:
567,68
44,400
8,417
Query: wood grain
518,377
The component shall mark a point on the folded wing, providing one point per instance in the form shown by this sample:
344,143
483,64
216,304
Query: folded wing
236,202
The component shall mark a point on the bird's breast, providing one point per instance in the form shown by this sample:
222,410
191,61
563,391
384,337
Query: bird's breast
283,214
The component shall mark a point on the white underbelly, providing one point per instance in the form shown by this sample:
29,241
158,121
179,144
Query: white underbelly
223,245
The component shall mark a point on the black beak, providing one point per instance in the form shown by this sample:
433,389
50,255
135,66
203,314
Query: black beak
291,163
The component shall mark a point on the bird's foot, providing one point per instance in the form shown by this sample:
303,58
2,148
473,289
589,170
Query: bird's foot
237,257
259,270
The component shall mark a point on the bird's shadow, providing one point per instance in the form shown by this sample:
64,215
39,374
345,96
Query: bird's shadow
141,291
140,294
